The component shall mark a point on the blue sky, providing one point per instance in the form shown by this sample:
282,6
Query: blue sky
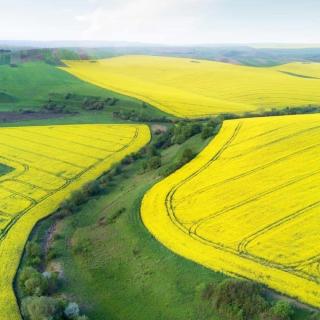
162,21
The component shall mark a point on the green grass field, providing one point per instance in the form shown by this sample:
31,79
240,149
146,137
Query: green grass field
30,85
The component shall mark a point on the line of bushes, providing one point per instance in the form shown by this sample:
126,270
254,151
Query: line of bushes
245,300
66,103
308,109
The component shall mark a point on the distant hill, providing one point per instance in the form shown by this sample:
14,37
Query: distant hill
252,55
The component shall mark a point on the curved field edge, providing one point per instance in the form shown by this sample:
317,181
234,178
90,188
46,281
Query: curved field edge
203,90
165,228
154,103
12,247
161,106
94,277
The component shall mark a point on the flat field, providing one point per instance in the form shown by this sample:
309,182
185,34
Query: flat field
248,204
50,162
198,88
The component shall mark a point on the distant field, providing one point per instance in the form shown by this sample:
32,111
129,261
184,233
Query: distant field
196,88
249,204
45,173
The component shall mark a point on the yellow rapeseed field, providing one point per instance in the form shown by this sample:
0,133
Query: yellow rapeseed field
248,205
49,163
196,88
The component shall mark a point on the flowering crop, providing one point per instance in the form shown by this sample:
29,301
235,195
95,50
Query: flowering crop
49,163
248,205
197,88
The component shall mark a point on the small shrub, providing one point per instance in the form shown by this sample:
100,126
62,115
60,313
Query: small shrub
72,310
283,310
155,162
239,299
32,283
33,254
40,308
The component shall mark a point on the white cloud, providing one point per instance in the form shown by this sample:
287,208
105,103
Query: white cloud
153,21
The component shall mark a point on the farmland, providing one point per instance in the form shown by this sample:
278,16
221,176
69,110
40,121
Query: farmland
248,204
45,172
197,88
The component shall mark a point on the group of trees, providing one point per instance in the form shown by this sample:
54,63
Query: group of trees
179,133
245,300
135,116
39,301
308,109
73,102
93,103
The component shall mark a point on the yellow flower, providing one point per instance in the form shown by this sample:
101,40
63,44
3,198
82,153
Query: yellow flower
248,205
50,163
196,88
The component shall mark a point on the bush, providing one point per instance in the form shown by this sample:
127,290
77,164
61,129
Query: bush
239,299
52,280
152,151
72,310
211,128
195,129
283,310
187,155
78,198
127,160
92,189
164,139
33,249
117,170
40,308
33,254
206,133
32,283
155,162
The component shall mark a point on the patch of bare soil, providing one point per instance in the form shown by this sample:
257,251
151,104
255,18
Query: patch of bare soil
56,267
158,128
30,115
53,266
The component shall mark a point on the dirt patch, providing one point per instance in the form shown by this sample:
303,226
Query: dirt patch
22,116
49,237
56,267
53,266
158,128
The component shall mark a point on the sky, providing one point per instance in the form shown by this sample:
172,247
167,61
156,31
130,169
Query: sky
173,22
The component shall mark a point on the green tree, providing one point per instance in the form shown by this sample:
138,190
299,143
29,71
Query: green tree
40,308
32,282
155,162
283,310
